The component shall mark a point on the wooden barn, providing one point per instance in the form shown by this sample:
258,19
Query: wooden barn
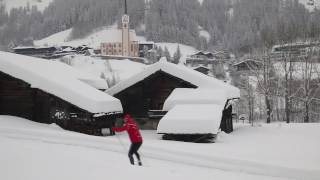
50,92
144,94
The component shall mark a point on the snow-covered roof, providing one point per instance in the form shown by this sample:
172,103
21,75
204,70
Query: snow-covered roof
180,71
60,80
191,119
195,96
33,47
247,60
203,53
200,66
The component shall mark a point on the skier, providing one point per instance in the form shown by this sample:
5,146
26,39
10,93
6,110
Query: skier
135,137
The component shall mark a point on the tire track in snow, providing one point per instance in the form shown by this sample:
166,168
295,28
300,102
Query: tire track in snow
153,152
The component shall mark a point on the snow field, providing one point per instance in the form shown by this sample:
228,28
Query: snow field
37,151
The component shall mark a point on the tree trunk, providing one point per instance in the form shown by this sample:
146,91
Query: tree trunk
306,115
287,109
268,109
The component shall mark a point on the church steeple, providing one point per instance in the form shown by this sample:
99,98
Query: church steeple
125,7
125,31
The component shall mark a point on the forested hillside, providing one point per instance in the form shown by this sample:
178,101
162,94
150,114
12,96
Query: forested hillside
241,26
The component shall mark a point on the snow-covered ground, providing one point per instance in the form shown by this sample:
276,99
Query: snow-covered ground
120,69
94,40
32,151
41,4
106,34
172,47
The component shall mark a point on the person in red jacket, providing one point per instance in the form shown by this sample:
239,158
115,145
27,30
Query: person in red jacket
135,137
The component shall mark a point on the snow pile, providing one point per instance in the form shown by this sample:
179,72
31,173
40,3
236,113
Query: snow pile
191,119
195,96
182,72
58,79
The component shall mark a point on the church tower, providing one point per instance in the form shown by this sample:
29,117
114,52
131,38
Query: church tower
125,32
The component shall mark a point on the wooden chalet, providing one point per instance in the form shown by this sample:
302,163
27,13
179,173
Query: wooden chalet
46,92
144,94
201,58
248,65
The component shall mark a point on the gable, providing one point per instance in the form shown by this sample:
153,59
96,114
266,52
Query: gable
156,80
178,71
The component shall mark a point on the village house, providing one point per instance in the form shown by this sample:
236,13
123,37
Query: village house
200,58
144,94
123,41
53,92
293,50
145,47
247,65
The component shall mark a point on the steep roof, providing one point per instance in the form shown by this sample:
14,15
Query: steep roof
180,71
60,80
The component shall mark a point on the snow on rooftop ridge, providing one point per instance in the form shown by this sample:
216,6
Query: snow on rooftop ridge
194,77
55,78
194,96
191,119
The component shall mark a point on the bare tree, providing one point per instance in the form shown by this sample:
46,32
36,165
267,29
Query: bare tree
308,76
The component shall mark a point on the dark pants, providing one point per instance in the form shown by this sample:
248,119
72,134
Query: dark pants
134,150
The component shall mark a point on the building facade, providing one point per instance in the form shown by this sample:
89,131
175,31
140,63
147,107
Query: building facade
123,43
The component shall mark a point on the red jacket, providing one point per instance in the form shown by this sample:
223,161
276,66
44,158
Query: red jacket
131,127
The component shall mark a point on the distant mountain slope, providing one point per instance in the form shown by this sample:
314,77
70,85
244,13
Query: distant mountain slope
41,4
